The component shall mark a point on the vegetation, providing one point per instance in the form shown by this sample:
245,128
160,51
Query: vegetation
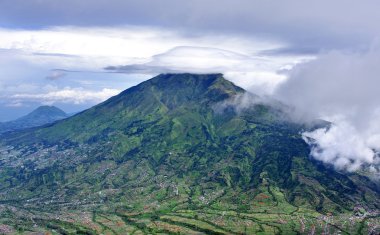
177,154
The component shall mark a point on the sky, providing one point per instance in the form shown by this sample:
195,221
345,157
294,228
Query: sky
319,56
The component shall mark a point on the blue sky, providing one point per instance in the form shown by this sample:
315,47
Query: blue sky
321,57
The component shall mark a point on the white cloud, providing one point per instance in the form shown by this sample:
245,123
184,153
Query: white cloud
67,95
344,146
143,49
257,73
94,48
341,87
56,74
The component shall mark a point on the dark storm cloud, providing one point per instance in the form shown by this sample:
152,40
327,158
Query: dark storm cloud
307,24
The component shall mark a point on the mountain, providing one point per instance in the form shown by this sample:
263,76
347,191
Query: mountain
179,153
40,116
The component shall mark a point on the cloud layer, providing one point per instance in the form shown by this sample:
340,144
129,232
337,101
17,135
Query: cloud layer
341,87
315,25
257,73
345,147
68,95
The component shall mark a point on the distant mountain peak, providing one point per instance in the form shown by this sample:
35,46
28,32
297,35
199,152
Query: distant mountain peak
46,110
40,116
47,107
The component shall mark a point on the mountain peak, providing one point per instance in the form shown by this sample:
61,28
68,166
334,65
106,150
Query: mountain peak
196,80
49,108
187,76
172,90
45,112
161,143
38,117
187,87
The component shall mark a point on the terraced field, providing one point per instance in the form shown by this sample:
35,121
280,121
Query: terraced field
196,222
174,216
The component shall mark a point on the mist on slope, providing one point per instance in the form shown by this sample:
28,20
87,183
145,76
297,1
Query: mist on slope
343,88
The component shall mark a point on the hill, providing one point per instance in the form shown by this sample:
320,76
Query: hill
38,117
179,153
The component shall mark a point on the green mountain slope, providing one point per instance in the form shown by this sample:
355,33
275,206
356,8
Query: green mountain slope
178,153
38,117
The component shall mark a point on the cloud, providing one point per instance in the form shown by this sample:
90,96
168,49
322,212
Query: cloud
188,59
56,74
14,104
257,73
30,59
122,41
152,50
31,76
67,95
318,25
149,50
341,87
345,147
80,48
